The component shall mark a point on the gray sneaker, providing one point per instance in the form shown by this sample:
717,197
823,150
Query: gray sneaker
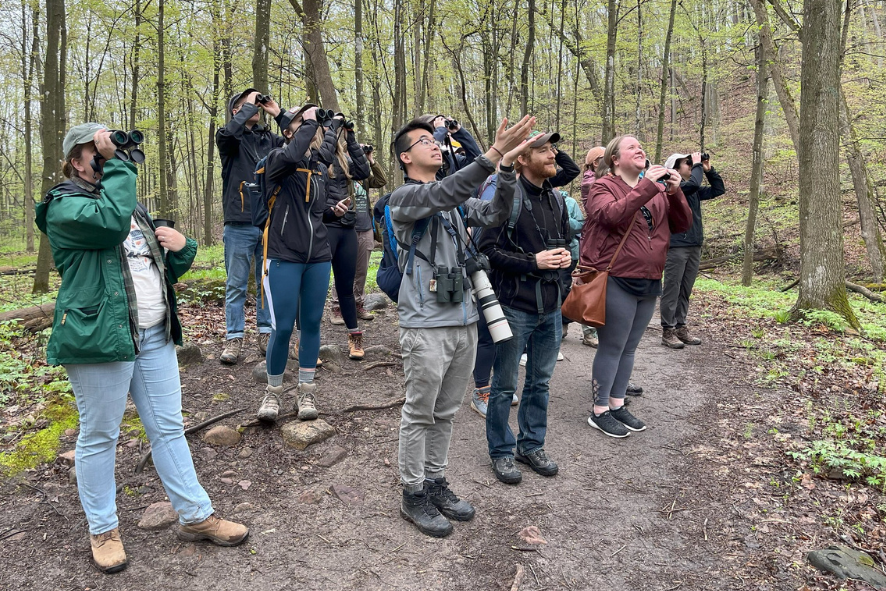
270,404
480,400
607,423
231,353
307,411
623,416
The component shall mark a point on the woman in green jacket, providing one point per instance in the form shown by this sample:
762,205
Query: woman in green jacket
114,330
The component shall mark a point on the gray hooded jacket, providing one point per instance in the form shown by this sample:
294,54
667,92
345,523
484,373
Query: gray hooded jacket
418,306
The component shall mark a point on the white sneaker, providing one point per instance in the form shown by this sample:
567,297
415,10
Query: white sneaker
560,356
523,360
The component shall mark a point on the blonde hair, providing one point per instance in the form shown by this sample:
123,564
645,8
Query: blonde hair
341,153
613,150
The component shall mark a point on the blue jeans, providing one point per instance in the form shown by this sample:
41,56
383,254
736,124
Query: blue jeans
540,337
295,290
153,382
242,246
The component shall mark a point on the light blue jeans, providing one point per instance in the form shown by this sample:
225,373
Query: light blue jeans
153,382
243,252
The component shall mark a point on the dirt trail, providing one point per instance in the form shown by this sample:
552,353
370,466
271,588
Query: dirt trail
622,514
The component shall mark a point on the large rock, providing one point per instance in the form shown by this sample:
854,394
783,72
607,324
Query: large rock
332,456
222,435
260,372
375,301
158,516
189,353
847,563
347,494
301,434
332,354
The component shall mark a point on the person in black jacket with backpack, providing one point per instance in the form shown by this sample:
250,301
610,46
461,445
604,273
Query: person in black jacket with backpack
298,255
242,142
684,254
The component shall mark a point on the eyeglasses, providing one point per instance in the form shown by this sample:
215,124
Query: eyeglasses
424,141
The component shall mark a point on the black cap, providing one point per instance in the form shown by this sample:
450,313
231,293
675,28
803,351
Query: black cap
236,97
287,117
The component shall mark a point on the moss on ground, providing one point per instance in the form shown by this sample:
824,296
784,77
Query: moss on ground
41,446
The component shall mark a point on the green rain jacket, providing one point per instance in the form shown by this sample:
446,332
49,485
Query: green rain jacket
92,321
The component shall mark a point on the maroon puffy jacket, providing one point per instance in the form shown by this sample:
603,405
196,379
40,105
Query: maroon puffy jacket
613,208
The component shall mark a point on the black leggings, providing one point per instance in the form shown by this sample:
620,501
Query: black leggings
343,243
485,354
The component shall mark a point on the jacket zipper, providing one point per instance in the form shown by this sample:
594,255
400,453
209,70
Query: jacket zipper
285,216
310,224
421,295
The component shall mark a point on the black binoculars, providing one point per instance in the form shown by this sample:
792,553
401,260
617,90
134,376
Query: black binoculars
451,124
263,99
449,284
349,125
665,177
367,149
555,243
127,145
325,114
705,157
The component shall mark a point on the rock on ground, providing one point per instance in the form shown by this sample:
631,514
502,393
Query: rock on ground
847,563
189,353
158,516
332,456
331,353
301,434
375,301
222,435
347,494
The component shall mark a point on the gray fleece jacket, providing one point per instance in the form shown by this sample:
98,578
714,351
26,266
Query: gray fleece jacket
418,306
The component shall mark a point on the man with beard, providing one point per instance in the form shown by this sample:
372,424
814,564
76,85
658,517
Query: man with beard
526,255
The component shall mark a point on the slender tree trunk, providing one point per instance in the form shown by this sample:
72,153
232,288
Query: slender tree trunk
425,89
822,273
639,67
52,124
747,271
136,57
29,57
527,57
165,203
260,46
663,90
560,61
609,80
229,9
358,59
316,54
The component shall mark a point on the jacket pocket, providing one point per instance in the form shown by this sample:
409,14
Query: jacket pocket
86,328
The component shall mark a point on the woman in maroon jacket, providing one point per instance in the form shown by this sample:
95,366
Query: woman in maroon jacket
648,209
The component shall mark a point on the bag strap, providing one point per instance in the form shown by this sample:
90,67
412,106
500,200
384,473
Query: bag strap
264,240
620,244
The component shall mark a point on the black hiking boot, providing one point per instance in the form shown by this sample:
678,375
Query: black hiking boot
506,471
442,497
539,462
417,508
624,416
606,423
634,390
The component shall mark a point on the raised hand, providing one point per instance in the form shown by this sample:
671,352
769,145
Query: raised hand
506,139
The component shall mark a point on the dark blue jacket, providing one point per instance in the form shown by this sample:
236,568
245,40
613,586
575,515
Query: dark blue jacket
453,162
695,194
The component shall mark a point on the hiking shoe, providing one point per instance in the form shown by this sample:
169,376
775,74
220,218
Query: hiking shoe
506,471
686,337
336,317
355,346
270,404
606,423
215,529
480,400
442,497
364,314
523,360
231,354
515,401
634,390
623,416
293,354
418,509
108,552
539,462
263,342
565,330
669,338
590,338
305,406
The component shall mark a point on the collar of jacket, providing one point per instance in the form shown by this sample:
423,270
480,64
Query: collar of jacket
533,190
88,187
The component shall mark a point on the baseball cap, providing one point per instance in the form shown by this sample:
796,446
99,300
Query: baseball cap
80,134
593,154
236,97
540,138
287,117
672,159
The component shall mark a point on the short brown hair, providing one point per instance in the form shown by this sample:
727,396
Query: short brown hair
76,152
613,149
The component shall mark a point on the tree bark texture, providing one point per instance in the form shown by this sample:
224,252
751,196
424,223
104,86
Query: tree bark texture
527,58
260,47
663,90
316,53
747,271
609,79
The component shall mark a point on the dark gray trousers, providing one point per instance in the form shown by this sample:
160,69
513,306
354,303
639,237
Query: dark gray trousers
680,272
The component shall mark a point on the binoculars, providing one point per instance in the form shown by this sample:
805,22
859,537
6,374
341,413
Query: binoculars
127,145
555,243
367,149
449,285
263,99
325,114
705,157
451,124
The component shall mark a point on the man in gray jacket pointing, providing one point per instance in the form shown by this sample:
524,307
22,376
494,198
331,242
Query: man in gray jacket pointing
438,316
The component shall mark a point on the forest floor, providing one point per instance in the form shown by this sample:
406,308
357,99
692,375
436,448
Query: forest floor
711,496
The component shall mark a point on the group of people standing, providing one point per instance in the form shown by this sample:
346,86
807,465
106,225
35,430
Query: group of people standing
116,323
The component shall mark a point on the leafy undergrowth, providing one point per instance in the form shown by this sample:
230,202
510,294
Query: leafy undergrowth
811,443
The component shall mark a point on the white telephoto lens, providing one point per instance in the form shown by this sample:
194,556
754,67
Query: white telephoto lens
496,322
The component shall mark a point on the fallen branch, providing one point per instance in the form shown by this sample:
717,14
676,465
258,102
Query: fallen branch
773,252
790,286
34,318
518,578
147,455
257,423
392,404
874,297
379,364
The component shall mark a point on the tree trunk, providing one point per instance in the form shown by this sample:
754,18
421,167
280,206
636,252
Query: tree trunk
747,271
822,273
358,60
52,124
136,56
609,79
639,88
527,57
316,54
663,91
210,156
260,47
162,124
28,60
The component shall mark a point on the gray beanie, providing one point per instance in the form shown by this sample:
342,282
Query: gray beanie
80,134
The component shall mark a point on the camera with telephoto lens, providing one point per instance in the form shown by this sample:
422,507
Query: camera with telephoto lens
477,266
263,99
450,285
367,148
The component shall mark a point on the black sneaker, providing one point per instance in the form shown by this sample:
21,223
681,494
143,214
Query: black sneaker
606,423
538,461
417,508
442,497
506,471
624,416
634,390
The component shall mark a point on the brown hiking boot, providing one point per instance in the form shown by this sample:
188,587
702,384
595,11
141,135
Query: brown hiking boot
336,317
684,335
362,314
108,552
231,354
263,342
355,345
669,338
216,530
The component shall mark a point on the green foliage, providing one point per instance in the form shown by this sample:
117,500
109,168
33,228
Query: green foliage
41,446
